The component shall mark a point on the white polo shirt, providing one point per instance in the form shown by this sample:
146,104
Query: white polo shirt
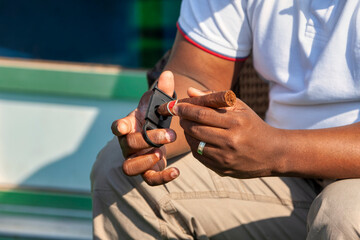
309,51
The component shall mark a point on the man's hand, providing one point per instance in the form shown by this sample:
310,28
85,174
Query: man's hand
140,158
238,142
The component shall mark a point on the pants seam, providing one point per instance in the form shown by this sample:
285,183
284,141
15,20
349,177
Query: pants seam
241,196
162,229
166,204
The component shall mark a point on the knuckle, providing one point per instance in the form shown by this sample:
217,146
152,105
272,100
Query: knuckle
184,109
162,178
227,163
128,141
232,142
149,181
158,137
237,121
190,127
152,178
181,109
201,114
194,130
152,183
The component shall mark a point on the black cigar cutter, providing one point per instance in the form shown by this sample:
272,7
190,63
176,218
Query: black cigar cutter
153,119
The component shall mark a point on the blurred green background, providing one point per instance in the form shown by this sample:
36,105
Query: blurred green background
129,33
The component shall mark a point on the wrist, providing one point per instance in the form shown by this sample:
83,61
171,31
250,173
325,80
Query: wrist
281,149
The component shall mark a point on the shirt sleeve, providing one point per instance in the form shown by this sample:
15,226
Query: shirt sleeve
219,27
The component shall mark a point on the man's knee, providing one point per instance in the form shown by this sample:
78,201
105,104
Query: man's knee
335,213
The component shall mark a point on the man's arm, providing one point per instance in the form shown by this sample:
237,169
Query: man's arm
332,153
193,67
257,149
240,144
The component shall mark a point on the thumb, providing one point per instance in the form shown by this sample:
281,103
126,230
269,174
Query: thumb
166,83
194,92
123,126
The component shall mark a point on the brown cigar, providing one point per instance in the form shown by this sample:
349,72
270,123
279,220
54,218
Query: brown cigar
213,100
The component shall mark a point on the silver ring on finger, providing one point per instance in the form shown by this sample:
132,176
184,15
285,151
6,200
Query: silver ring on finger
200,149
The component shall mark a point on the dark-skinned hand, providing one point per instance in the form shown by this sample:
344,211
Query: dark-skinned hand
140,158
238,142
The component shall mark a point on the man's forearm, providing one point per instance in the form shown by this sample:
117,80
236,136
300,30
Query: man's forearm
180,146
332,153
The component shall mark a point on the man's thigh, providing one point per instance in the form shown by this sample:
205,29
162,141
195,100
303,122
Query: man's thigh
335,213
198,204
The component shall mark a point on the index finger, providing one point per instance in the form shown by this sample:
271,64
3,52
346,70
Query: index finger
221,118
134,142
139,164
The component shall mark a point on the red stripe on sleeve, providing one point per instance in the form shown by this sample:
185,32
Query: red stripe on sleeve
205,49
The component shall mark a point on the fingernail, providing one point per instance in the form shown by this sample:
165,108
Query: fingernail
174,174
175,110
197,90
170,136
157,154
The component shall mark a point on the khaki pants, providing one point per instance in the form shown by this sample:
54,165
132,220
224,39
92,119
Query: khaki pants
202,205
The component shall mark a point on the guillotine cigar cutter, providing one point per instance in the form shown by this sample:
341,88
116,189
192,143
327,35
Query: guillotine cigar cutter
153,120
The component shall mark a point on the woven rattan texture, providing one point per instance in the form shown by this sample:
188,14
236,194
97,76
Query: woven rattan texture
252,90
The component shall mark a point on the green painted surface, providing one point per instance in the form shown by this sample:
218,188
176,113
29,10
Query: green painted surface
28,209
123,85
43,214
156,22
149,13
46,199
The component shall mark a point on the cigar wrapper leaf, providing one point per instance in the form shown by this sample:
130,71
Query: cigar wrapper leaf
212,100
